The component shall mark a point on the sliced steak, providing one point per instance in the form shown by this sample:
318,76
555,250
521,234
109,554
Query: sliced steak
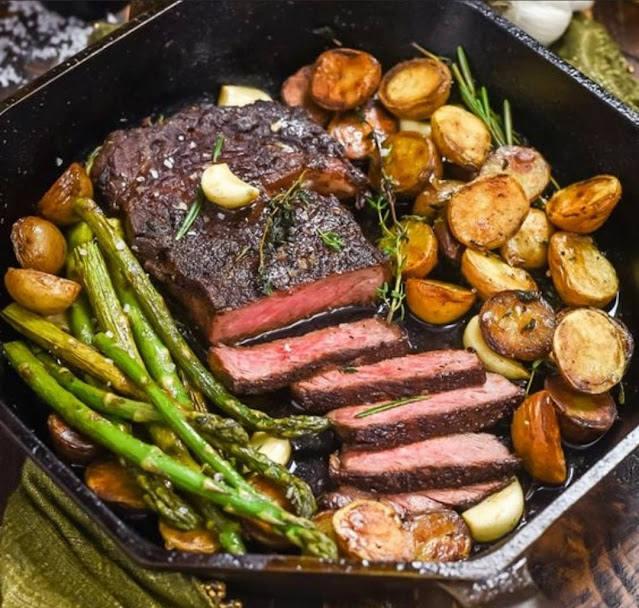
441,462
463,410
273,365
429,372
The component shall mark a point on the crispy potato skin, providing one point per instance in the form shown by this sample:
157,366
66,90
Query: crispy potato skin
69,444
591,350
415,88
536,439
528,248
526,165
489,274
199,540
518,324
114,484
38,244
431,201
583,207
485,213
437,302
460,136
419,249
295,92
582,418
57,204
344,79
581,274
440,536
40,292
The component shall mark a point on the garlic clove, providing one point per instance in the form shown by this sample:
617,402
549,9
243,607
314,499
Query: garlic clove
276,448
544,21
233,95
419,126
222,187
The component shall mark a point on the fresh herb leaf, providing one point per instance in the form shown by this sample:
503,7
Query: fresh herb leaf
194,211
389,406
533,370
621,398
332,240
217,148
242,253
348,370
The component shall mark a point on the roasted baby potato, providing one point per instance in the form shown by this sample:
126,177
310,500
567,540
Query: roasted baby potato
295,92
114,484
485,213
40,292
431,201
440,536
489,274
581,274
582,417
591,349
69,444
57,204
259,530
409,159
324,523
38,244
583,207
356,129
199,540
418,248
536,438
526,165
419,126
344,79
372,530
437,302
460,136
493,362
518,324
416,88
528,248
449,246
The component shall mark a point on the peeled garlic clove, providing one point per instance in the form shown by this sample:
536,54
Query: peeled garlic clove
544,21
232,95
277,449
222,187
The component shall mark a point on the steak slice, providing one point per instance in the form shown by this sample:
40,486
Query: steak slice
428,372
441,462
463,410
273,365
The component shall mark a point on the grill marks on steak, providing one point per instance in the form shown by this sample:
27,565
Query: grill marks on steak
427,372
273,365
462,410
442,462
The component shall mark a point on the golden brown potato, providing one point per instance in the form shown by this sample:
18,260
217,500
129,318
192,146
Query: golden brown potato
591,350
57,204
199,540
416,88
409,160
296,92
260,531
38,244
536,439
372,530
449,246
69,444
356,129
431,201
437,302
114,484
460,136
526,165
583,207
40,292
489,274
344,79
528,248
440,536
582,417
418,248
581,274
324,523
518,324
485,213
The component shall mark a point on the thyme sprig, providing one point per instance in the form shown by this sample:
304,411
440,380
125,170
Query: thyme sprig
332,240
389,406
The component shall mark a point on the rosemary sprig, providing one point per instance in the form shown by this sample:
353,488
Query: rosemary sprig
332,240
389,406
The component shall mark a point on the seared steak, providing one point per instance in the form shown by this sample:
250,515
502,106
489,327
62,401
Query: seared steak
273,365
441,462
466,409
428,372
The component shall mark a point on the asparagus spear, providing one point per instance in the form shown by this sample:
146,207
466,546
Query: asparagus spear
80,320
116,249
297,530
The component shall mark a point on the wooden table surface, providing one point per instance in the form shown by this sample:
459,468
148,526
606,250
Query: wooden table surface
590,557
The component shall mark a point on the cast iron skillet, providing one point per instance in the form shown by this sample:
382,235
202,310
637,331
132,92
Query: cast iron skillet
190,48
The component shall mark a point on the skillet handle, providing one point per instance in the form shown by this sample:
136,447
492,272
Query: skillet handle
511,585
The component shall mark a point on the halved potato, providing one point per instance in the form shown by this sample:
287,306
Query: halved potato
437,302
489,274
295,92
591,350
57,204
518,324
526,165
46,294
236,95
38,244
536,439
486,212
583,207
460,136
440,536
419,126
493,362
449,246
416,88
582,417
260,530
356,129
199,540
409,160
69,444
528,248
324,523
581,274
433,198
114,484
418,248
344,79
